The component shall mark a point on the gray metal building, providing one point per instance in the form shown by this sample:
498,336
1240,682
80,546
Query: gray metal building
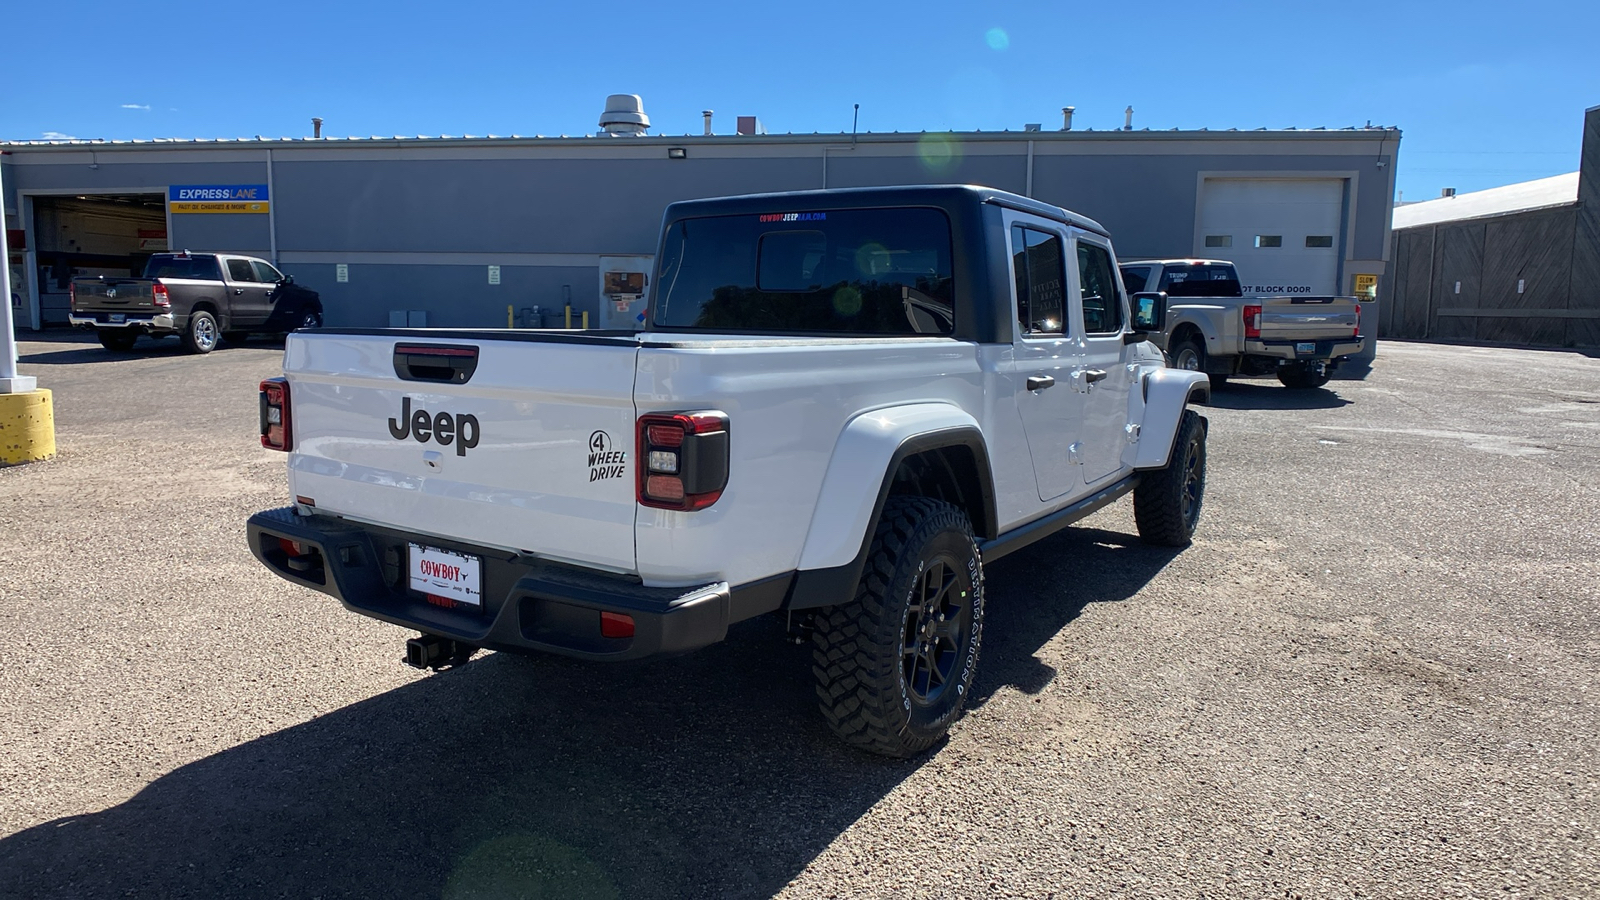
1516,264
454,230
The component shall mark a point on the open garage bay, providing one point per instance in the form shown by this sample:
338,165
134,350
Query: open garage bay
1374,674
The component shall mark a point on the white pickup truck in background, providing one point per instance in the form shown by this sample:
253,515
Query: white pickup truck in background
845,404
1213,328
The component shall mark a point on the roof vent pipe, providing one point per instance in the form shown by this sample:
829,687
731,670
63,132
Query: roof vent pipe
1127,119
707,114
316,127
624,115
1447,192
1066,117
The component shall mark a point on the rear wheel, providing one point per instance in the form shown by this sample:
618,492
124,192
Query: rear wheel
1304,376
1167,502
202,333
1190,355
119,340
895,665
310,319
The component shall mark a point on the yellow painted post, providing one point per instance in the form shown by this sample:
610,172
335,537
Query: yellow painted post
27,427
569,316
508,316
586,320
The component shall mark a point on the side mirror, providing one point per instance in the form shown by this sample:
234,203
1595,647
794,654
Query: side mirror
1149,315
288,279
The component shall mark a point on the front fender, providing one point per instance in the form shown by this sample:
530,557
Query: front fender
1166,393
858,473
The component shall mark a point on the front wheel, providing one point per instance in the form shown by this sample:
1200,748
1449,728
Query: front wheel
202,333
1304,376
1167,502
895,665
310,319
118,340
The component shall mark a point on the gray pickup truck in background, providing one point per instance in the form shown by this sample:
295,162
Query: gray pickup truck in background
202,298
1213,328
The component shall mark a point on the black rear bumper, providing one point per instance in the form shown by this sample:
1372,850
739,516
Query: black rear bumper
529,606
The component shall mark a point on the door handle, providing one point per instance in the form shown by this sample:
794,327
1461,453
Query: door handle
1093,375
238,290
1039,382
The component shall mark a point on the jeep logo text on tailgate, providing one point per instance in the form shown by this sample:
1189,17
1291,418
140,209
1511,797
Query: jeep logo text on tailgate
462,429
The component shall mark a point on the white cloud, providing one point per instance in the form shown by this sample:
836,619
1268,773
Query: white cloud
58,136
145,106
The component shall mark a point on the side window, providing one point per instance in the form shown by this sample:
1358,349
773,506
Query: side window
239,270
1041,281
1135,277
265,272
1102,305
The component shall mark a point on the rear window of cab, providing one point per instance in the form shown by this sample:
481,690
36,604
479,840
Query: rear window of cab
855,271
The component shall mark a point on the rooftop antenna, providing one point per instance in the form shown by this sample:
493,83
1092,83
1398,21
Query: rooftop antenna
853,120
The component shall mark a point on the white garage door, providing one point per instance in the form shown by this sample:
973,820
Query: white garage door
1283,234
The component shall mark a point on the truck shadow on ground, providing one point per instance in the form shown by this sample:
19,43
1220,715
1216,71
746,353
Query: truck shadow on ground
147,348
705,775
1271,395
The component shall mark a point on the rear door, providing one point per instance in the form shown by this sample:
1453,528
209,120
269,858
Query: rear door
1044,352
531,452
1106,376
247,297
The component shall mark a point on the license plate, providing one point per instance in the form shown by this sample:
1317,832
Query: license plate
456,577
1305,347
118,318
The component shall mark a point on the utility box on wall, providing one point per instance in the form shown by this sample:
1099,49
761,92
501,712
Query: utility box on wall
624,286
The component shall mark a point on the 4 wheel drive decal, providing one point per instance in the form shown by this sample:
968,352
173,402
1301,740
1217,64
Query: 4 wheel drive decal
445,429
605,460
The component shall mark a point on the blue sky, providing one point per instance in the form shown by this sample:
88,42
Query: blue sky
1486,93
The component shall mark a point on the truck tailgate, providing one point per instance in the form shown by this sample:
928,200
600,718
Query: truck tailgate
530,454
113,294
1308,318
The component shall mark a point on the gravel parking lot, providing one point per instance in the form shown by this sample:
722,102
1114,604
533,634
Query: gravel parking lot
1374,674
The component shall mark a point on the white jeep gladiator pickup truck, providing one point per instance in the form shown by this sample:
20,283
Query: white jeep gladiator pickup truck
843,406
1212,327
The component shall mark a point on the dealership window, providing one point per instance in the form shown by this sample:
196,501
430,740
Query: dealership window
1041,281
1319,240
1219,240
1269,240
1102,305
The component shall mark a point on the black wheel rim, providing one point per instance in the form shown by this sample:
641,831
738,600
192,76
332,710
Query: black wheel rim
937,628
1193,482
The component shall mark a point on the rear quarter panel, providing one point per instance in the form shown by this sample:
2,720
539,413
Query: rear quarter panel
788,402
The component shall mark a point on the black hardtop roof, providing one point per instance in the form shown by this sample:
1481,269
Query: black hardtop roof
937,195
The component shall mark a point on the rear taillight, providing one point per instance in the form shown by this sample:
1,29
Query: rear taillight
1252,321
158,292
683,459
1357,331
275,430
72,296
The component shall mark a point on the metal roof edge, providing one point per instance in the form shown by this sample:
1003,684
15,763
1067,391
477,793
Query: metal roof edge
1312,135
1545,207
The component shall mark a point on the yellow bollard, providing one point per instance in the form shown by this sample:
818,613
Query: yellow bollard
27,428
569,316
586,320
509,320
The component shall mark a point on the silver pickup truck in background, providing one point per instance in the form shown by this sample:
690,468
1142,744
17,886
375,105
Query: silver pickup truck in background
1213,328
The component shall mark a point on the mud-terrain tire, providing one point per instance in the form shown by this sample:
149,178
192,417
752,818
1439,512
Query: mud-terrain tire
201,335
1301,377
1167,502
117,340
895,665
